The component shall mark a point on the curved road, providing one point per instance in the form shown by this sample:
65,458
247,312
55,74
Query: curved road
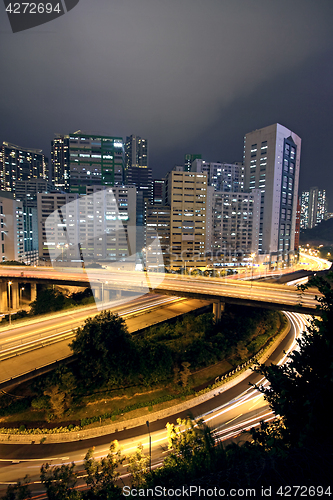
228,413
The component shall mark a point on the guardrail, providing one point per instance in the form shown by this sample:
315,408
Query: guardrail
20,347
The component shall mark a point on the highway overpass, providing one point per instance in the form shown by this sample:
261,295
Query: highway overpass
106,283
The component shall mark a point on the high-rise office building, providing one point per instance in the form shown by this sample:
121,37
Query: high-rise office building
60,162
142,179
186,194
136,152
12,228
99,225
226,177
93,160
157,225
27,191
235,234
271,162
158,190
21,164
297,224
313,207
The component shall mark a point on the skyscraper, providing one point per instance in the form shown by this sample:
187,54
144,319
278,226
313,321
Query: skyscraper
235,225
21,164
136,152
93,160
272,161
313,207
60,164
186,194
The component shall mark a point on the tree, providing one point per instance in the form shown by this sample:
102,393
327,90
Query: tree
193,453
60,482
57,400
102,474
48,301
104,349
300,390
139,465
155,361
19,491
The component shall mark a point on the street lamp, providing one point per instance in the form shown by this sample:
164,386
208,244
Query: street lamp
147,424
62,250
252,257
20,295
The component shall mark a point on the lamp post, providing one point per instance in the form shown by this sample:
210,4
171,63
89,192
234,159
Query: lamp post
62,250
20,295
147,424
103,293
252,257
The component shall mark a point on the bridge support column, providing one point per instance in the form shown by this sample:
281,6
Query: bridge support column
14,292
118,294
33,292
97,293
218,307
3,297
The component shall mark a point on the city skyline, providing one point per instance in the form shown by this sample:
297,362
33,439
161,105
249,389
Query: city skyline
145,68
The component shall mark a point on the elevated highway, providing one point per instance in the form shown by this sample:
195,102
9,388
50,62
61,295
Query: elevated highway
105,283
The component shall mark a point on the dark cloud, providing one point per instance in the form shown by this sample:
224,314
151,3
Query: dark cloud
190,75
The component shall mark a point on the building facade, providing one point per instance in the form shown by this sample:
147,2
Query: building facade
60,162
136,152
157,225
235,234
21,164
93,160
186,194
272,162
226,177
188,159
313,207
97,226
27,191
12,228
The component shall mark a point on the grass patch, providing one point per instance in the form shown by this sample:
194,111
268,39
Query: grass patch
205,375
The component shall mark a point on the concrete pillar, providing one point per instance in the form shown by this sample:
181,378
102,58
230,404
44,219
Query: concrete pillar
218,307
33,292
97,293
118,294
14,292
3,297
107,295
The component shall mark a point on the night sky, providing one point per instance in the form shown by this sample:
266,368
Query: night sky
191,76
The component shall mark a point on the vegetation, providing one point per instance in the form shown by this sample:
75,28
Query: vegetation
12,263
321,234
158,366
51,299
107,355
